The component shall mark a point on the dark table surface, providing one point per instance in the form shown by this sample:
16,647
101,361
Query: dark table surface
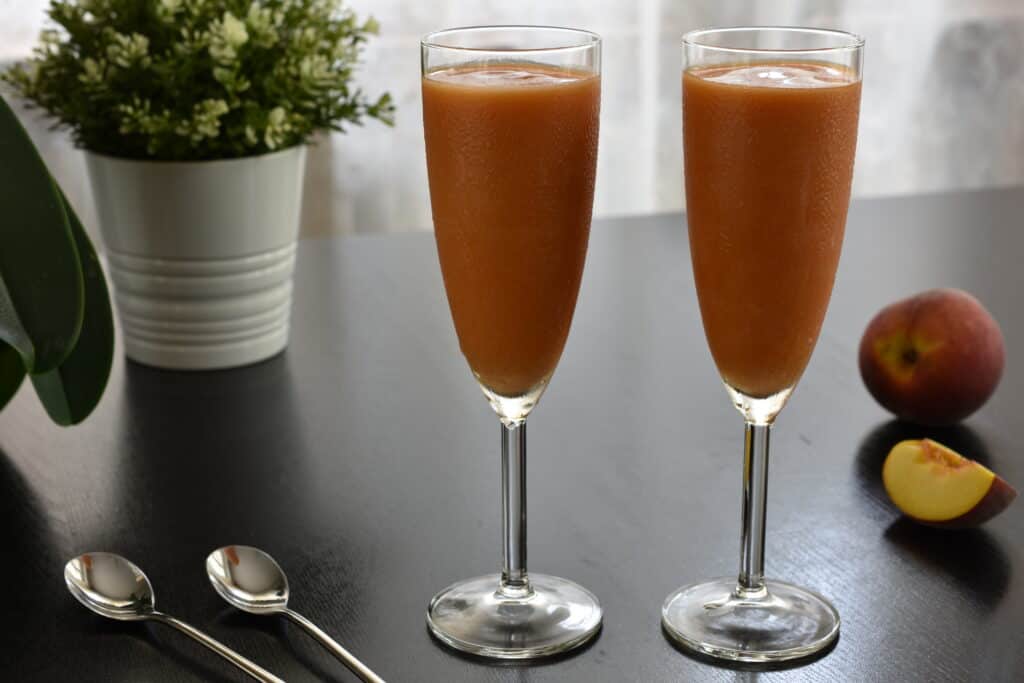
365,459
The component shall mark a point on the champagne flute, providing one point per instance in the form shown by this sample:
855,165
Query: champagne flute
510,120
769,134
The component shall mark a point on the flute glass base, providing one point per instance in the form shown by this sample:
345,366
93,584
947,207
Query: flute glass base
555,616
778,623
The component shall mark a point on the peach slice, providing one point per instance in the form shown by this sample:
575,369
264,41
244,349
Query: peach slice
935,485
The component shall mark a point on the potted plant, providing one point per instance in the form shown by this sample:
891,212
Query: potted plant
56,325
194,116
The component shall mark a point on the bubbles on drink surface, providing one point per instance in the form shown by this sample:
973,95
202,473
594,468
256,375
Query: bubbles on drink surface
778,75
514,75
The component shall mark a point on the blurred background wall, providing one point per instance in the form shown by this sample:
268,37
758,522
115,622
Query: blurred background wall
943,100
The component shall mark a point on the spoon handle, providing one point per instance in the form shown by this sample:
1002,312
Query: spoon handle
335,648
246,665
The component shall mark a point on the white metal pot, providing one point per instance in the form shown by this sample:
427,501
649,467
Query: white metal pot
201,255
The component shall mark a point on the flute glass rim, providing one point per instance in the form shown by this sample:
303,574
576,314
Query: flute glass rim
586,39
851,41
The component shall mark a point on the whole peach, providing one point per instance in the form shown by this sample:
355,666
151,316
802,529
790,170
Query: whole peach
933,358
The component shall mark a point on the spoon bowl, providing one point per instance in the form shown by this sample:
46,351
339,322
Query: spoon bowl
248,578
110,586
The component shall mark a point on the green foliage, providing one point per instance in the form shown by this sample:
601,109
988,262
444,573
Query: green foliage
55,319
70,391
198,79
40,274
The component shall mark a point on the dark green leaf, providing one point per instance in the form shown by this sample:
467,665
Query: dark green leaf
72,391
12,372
41,289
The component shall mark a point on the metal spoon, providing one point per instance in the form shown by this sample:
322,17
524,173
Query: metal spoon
113,587
251,580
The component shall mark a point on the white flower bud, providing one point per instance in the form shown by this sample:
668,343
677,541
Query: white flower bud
92,72
234,30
